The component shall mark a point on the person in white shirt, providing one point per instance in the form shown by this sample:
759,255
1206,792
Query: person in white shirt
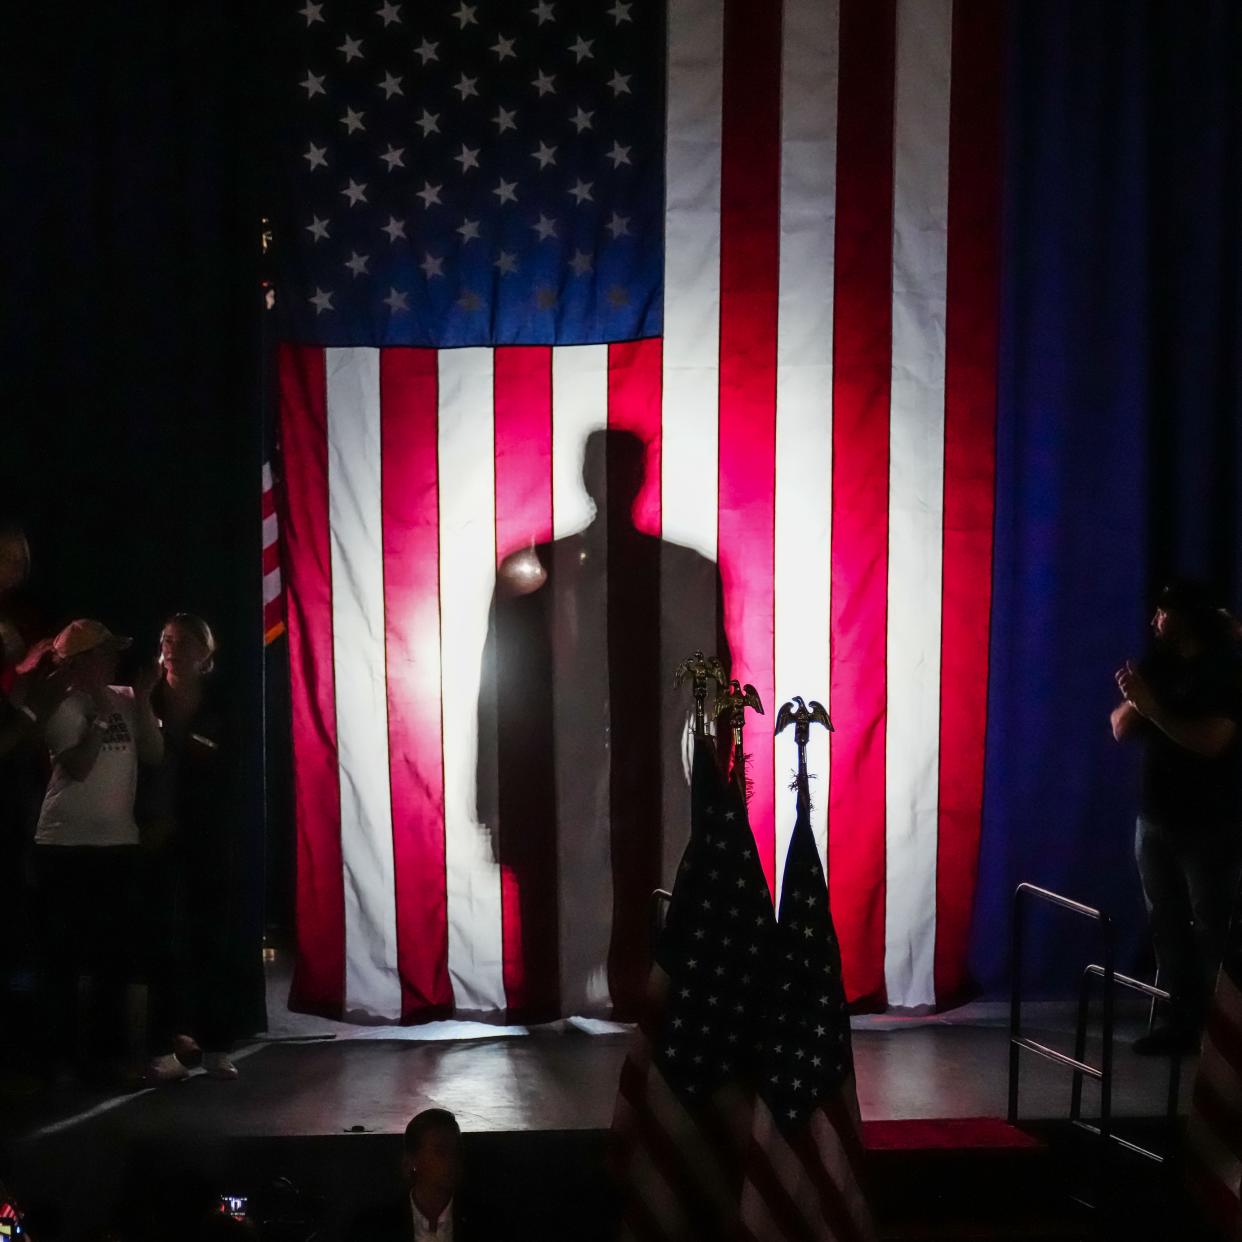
86,846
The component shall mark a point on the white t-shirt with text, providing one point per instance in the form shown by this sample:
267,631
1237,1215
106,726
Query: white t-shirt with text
100,809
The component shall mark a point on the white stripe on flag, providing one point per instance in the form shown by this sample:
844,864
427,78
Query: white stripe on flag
916,496
270,530
692,275
580,688
803,533
467,577
372,987
690,405
271,586
835,1159
267,476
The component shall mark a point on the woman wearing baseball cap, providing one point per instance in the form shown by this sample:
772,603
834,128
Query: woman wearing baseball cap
86,846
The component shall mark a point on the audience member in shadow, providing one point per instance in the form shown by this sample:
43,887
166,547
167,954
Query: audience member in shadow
1183,703
436,1202
581,773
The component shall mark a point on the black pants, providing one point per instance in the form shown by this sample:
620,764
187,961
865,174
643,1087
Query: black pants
187,954
1189,879
87,899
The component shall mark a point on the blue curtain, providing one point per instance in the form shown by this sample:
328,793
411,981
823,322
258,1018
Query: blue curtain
1118,428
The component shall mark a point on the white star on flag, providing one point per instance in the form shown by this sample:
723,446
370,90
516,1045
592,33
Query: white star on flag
432,266
394,228
543,83
545,228
313,84
619,155
468,157
318,229
394,157
356,192
397,300
545,155
620,83
391,86
426,51
581,263
582,191
503,119
581,48
316,156
504,191
357,263
321,300
504,48
389,13
542,12
620,12
312,12
429,123
353,120
465,16
466,87
619,226
429,194
469,230
582,120
505,263
351,48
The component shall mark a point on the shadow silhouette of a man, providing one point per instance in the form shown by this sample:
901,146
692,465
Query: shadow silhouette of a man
581,773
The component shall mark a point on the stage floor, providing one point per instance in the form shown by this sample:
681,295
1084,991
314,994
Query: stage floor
312,1077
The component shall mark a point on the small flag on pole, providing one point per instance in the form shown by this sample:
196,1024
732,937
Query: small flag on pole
683,1108
803,1166
273,590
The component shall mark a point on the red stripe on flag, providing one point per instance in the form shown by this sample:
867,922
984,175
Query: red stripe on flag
525,776
271,559
523,398
267,502
319,974
862,366
785,1213
635,389
833,1198
969,472
635,381
749,287
411,542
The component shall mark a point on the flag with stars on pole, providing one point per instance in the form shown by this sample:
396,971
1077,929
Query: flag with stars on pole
683,1106
803,1165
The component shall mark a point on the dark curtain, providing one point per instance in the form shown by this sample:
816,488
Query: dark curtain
1118,428
130,430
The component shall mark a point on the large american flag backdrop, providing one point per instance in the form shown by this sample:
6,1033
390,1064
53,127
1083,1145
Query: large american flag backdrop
530,251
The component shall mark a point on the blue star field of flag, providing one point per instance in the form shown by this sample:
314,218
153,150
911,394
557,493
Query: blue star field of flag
461,174
716,946
804,1051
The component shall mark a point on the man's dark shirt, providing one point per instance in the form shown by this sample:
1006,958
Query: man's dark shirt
1182,789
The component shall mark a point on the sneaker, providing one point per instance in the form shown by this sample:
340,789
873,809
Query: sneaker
187,1051
220,1065
1166,1041
165,1069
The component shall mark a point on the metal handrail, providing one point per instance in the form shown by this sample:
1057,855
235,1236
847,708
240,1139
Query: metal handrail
657,913
1156,994
1018,1043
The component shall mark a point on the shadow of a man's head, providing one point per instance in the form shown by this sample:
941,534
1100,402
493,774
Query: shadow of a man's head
614,468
